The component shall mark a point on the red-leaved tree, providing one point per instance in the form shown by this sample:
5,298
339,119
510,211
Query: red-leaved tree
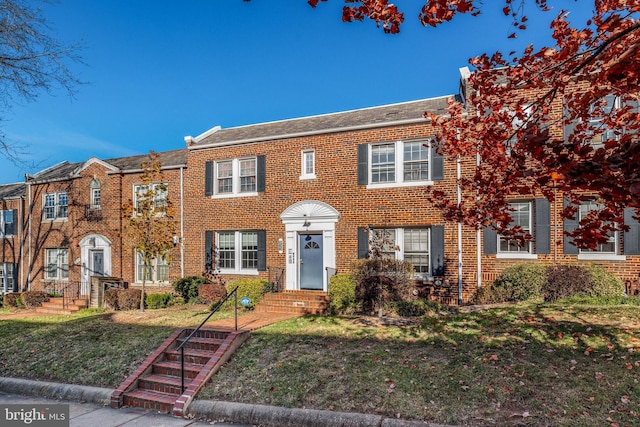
553,120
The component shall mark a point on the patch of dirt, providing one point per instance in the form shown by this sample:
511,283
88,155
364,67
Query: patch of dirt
384,321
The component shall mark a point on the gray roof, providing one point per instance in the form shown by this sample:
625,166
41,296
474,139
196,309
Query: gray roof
12,191
66,170
335,122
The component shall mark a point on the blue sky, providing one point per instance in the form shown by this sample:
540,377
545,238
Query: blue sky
158,71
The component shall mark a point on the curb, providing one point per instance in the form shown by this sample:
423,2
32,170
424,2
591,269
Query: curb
233,412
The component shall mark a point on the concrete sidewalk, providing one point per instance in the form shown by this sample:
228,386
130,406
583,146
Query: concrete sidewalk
89,406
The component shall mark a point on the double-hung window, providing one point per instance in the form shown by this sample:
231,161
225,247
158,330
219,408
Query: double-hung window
157,271
308,164
610,247
7,223
56,264
95,195
237,251
55,206
152,197
399,163
236,176
522,217
7,281
599,132
409,244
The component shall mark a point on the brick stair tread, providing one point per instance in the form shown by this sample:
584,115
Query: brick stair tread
177,365
165,379
193,352
154,396
198,340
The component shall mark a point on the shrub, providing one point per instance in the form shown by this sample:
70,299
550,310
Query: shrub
381,280
163,300
521,282
489,295
603,284
1,300
129,299
32,299
252,288
565,281
342,291
111,299
210,293
12,299
187,287
408,308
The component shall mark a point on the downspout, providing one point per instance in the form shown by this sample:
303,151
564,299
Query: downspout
459,176
478,242
22,241
29,241
181,222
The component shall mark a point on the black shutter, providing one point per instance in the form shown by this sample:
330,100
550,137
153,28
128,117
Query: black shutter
208,178
261,179
363,243
363,164
262,250
437,165
490,240
631,237
15,277
543,226
635,107
569,226
208,251
437,251
567,127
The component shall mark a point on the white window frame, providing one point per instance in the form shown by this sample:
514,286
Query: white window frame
527,249
7,281
159,200
308,164
4,222
153,275
237,252
236,178
595,122
399,163
95,198
397,249
61,264
59,209
586,254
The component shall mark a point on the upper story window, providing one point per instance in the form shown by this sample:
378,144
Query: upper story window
598,130
158,271
610,247
409,244
308,164
55,206
95,195
56,264
521,216
157,192
236,176
400,163
7,223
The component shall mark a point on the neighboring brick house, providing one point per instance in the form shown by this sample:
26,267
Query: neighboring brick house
12,214
76,224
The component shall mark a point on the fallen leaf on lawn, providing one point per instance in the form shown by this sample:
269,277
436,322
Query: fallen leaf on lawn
624,399
599,375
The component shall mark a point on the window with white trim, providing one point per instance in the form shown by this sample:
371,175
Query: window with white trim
308,164
521,216
55,206
157,271
236,176
158,192
237,251
610,247
95,195
7,223
400,163
56,266
7,280
598,111
409,244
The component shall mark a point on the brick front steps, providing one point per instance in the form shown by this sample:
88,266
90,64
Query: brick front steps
156,384
298,302
55,305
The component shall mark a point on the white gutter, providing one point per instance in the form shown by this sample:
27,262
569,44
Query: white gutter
181,223
478,242
29,235
459,176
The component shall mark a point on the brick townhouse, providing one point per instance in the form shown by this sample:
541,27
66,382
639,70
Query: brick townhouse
68,224
294,201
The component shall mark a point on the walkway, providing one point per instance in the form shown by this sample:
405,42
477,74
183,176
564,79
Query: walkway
251,321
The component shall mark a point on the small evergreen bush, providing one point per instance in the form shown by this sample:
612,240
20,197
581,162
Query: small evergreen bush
12,299
603,284
342,292
209,293
187,287
408,308
565,281
32,299
159,300
520,282
252,288
111,299
129,299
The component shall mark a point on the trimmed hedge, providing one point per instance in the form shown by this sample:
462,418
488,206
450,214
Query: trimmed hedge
252,288
163,300
123,299
12,299
32,299
187,287
209,293
342,291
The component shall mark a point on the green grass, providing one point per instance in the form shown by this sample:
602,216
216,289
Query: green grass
531,365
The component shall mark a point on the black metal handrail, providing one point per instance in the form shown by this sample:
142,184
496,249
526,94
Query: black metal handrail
216,308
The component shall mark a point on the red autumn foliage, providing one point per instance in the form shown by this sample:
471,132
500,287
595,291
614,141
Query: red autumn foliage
510,120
